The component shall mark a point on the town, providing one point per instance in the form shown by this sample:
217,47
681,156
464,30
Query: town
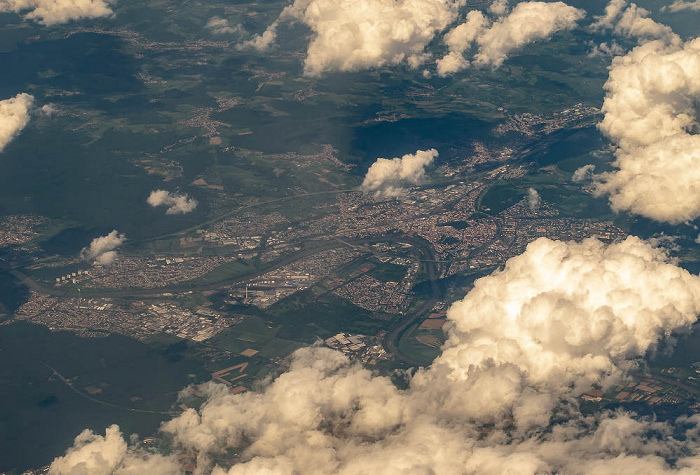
369,251
261,258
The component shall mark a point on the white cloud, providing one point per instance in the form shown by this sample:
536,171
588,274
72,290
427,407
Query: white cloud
48,110
613,11
94,453
176,204
14,116
350,35
106,258
389,177
533,199
108,455
636,23
651,114
680,5
460,39
221,26
526,23
668,242
102,248
261,42
555,320
585,173
633,21
499,7
608,50
52,12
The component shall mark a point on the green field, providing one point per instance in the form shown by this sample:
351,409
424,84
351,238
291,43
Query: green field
417,351
305,317
388,272
256,334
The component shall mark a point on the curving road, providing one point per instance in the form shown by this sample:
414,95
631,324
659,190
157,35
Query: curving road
104,403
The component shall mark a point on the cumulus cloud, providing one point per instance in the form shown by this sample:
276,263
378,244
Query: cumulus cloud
666,241
53,12
14,116
459,40
389,177
585,173
261,42
630,20
499,7
349,35
608,50
533,199
221,26
48,110
176,204
613,11
526,23
109,454
557,319
680,5
650,113
102,249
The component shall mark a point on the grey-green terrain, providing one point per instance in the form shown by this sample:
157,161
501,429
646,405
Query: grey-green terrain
283,249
